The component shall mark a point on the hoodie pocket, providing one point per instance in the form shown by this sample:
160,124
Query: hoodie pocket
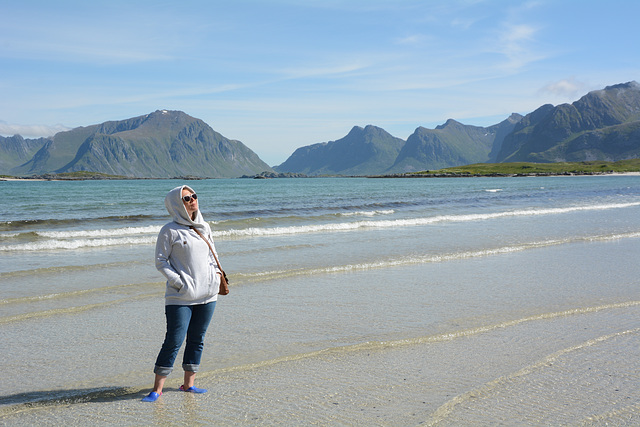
194,292
188,291
177,285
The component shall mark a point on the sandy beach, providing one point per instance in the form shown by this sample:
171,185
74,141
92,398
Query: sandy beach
485,376
577,365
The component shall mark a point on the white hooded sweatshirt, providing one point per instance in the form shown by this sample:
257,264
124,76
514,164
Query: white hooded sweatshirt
184,258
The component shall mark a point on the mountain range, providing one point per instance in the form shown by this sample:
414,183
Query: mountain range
602,125
358,153
162,144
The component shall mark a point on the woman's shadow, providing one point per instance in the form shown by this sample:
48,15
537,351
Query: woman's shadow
56,397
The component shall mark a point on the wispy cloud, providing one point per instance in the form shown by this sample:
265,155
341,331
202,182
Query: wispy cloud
565,88
411,40
465,23
517,37
30,131
320,71
95,51
515,44
78,37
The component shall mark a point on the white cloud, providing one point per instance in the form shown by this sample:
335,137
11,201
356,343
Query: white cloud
465,23
517,37
98,34
30,131
410,40
322,71
515,45
566,88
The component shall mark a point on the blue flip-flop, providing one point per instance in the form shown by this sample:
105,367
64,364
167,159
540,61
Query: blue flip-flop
152,397
193,389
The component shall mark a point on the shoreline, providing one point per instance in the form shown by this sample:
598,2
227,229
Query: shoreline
505,175
416,175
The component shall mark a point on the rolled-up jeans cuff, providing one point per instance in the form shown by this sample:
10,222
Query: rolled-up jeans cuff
190,367
163,371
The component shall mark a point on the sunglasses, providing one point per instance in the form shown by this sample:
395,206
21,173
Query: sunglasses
187,199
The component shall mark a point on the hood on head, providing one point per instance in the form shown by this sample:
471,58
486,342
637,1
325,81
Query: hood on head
175,207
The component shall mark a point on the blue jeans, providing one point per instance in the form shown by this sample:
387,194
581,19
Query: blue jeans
190,321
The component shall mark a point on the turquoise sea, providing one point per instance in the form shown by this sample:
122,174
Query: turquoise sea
354,301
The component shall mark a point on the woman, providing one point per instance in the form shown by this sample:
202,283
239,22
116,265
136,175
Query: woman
193,280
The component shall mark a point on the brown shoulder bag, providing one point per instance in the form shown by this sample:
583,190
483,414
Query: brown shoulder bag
224,282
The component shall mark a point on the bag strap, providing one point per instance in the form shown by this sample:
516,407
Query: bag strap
208,244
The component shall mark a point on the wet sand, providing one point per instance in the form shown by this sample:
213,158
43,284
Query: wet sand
564,368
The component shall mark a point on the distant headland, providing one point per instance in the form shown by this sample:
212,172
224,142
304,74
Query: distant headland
518,169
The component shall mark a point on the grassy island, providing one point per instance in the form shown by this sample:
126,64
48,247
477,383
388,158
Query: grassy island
533,169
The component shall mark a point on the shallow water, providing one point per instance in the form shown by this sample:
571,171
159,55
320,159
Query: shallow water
353,302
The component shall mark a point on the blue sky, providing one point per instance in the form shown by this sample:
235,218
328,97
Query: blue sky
282,74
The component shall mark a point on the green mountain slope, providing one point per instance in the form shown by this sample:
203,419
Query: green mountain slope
360,152
602,125
16,150
451,144
162,144
373,151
